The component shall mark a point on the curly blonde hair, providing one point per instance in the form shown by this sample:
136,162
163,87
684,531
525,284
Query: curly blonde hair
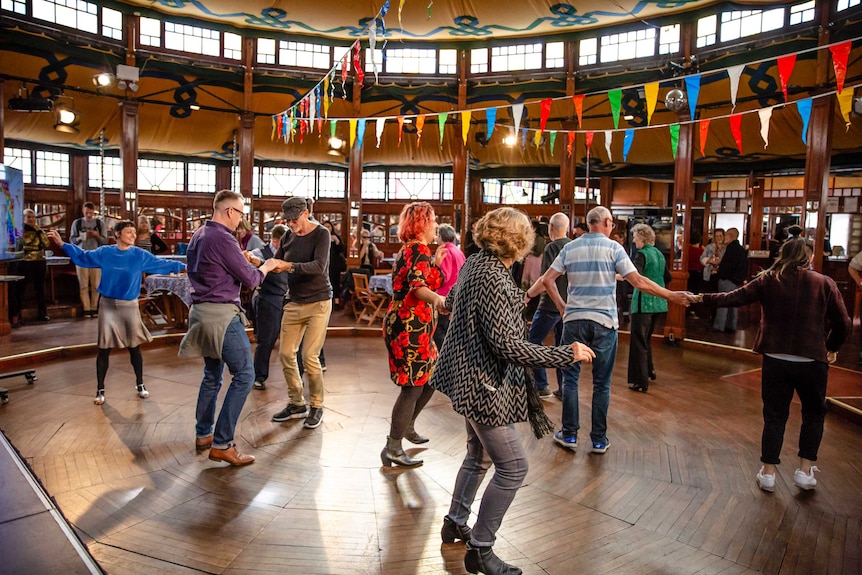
505,232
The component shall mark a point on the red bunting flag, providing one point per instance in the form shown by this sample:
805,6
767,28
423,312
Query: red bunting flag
589,142
546,111
704,132
840,54
579,107
357,65
785,69
736,129
571,143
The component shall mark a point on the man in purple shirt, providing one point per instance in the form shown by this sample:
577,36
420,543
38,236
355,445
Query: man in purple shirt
217,269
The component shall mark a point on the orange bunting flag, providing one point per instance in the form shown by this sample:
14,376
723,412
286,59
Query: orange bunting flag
589,142
571,143
579,108
420,123
840,54
465,124
546,111
704,132
845,103
785,69
736,129
400,128
651,94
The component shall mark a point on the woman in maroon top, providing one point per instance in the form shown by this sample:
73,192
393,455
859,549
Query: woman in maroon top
408,327
803,323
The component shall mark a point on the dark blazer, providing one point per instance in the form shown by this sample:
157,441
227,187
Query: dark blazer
803,313
481,365
734,263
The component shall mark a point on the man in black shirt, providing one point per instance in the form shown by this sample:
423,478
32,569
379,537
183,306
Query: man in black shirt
732,273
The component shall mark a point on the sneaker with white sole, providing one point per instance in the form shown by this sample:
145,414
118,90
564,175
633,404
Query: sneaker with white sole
259,385
600,446
314,419
291,412
766,482
100,397
567,441
804,480
142,391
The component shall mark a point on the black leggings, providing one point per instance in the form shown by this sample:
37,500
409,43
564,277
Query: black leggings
407,407
135,357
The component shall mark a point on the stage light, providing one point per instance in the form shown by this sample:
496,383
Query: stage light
103,80
67,119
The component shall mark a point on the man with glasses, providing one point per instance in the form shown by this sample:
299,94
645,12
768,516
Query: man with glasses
590,317
308,304
217,268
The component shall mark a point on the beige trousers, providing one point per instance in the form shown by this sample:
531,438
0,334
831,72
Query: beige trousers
88,281
304,323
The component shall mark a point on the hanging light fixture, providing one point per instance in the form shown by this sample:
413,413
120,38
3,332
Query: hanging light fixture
67,119
336,146
104,80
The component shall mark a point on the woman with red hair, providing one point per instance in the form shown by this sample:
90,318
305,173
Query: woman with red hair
408,328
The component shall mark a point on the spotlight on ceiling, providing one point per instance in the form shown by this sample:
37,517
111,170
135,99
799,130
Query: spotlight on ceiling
675,100
128,77
510,140
194,107
67,119
104,80
336,146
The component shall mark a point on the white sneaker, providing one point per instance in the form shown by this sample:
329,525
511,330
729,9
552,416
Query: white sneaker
100,397
765,482
142,391
805,481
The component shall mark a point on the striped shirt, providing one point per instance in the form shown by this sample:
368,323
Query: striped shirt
591,263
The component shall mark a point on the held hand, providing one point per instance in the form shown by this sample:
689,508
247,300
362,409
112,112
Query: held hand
55,237
269,265
93,234
247,256
680,298
440,305
582,352
527,297
439,256
831,356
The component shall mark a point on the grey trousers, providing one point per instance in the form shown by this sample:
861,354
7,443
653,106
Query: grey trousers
485,445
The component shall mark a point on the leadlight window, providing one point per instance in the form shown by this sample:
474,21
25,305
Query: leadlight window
232,46
377,59
628,45
479,61
52,168
588,51
112,23
304,55
845,4
17,6
411,61
668,39
113,172
555,55
72,13
707,28
150,33
373,185
284,182
21,159
338,53
516,57
202,178
266,51
738,24
160,175
193,39
413,186
331,184
802,13
491,191
448,61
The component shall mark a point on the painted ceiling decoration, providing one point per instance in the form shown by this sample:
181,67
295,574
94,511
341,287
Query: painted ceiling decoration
423,20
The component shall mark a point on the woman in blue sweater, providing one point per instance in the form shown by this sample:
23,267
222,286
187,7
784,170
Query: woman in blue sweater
120,324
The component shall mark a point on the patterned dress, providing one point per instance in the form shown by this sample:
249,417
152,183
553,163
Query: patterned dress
408,327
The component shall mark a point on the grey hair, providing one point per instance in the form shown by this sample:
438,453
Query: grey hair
560,222
598,215
278,231
645,233
446,233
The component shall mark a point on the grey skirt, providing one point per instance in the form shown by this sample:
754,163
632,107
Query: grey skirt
120,324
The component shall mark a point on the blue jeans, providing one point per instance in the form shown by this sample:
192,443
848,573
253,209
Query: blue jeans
543,322
603,341
485,445
236,354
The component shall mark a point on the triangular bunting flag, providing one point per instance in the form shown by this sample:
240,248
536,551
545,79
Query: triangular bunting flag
736,130
674,139
845,102
627,143
840,54
734,72
553,140
465,124
352,124
274,127
651,95
692,89
704,133
579,107
491,119
546,111
589,142
420,123
517,114
537,138
609,136
570,136
441,124
400,122
523,139
615,97
804,107
327,100
785,69
765,116
357,64
360,133
381,122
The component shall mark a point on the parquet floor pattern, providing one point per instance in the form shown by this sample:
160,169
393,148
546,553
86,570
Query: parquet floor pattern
675,494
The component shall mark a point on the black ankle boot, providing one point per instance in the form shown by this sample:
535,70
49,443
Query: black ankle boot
483,560
394,454
452,531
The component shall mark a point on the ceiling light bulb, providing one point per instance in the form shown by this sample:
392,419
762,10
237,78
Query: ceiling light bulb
509,140
66,116
133,86
103,80
335,142
194,107
121,84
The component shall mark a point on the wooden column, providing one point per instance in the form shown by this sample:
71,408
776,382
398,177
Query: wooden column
245,137
818,161
460,164
683,195
606,189
755,225
129,158
567,163
354,166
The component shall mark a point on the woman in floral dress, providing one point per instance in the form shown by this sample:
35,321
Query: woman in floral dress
408,328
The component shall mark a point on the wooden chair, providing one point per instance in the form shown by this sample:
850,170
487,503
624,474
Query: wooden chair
151,313
368,305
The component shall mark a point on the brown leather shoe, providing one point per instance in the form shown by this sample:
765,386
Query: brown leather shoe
203,443
231,455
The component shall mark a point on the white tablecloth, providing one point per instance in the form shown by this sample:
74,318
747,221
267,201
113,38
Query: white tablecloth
382,282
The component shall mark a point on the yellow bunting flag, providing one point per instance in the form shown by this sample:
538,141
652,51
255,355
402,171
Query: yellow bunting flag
845,102
465,124
352,131
651,94
537,138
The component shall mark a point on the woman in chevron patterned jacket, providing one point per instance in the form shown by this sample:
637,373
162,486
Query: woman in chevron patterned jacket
481,369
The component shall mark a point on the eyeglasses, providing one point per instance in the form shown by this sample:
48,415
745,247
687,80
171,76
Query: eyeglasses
229,208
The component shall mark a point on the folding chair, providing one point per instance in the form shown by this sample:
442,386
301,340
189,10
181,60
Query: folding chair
373,304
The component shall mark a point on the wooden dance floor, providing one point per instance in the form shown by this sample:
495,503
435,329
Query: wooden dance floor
675,493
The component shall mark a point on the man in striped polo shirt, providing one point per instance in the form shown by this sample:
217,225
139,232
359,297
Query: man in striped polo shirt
590,317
